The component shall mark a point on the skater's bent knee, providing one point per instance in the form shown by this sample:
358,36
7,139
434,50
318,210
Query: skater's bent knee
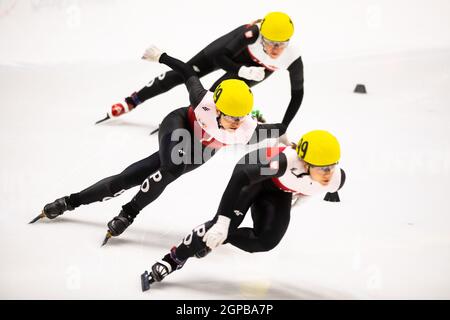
269,244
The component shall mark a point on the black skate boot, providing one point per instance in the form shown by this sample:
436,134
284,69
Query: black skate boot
161,269
54,209
118,225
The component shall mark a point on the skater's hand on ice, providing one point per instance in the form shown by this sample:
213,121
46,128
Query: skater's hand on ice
152,54
252,73
218,232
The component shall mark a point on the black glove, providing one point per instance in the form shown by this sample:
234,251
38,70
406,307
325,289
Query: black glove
332,197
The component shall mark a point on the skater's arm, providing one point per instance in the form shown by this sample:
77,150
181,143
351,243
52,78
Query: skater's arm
178,66
267,131
225,57
334,196
191,80
296,78
248,171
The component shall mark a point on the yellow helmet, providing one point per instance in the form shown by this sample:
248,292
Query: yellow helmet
234,98
277,26
319,148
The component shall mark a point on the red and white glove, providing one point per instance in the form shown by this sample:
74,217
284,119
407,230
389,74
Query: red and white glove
252,73
218,232
152,54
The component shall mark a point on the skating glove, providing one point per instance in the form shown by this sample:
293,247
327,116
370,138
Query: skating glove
218,232
258,116
332,197
252,73
152,54
284,140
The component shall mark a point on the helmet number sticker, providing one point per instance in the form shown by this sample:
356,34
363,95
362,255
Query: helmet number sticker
302,148
217,93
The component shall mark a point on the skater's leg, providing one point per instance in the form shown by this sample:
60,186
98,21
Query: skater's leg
154,185
176,159
115,185
151,188
104,189
193,245
175,156
160,84
271,215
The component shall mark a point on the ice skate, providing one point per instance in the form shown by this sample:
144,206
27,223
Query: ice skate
54,209
121,108
118,225
161,269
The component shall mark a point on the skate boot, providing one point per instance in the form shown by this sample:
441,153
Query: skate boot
54,209
121,108
118,225
161,269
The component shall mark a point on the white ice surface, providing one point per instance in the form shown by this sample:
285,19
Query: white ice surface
389,238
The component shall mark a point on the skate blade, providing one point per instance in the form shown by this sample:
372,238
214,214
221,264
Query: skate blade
154,131
107,237
102,120
146,281
40,216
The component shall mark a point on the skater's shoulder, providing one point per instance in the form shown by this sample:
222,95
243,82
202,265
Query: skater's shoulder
249,32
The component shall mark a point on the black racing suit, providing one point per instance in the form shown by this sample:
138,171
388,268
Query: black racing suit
248,189
174,158
228,52
251,186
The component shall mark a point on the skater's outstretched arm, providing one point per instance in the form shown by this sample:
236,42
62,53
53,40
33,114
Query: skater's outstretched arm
296,78
267,131
275,130
191,80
